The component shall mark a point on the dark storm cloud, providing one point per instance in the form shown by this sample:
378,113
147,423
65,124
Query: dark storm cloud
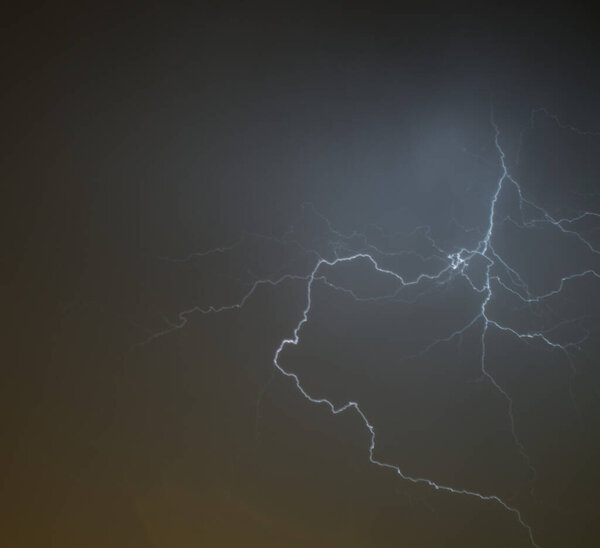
132,134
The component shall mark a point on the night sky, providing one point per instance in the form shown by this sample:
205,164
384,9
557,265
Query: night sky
182,183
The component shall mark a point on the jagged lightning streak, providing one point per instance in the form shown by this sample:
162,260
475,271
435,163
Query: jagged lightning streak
354,405
498,275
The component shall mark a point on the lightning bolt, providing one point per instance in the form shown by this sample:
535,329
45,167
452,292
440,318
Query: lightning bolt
499,279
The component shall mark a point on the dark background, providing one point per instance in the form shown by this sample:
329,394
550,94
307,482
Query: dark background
130,134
